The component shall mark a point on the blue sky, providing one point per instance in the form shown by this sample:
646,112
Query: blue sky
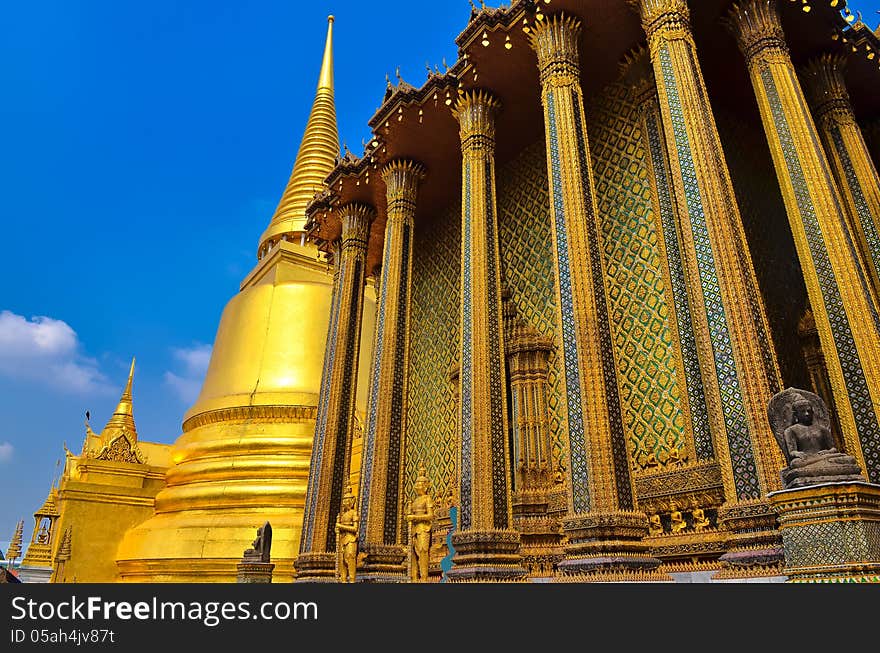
144,147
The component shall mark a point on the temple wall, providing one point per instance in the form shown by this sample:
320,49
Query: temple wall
641,334
527,261
639,311
99,507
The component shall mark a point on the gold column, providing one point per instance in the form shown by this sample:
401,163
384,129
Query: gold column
738,365
603,527
328,472
487,549
849,157
382,469
639,74
846,318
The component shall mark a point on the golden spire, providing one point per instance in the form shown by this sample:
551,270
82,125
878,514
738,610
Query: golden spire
123,416
64,547
326,78
14,550
316,158
61,558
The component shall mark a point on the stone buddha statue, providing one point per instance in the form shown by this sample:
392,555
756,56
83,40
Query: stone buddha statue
261,547
801,425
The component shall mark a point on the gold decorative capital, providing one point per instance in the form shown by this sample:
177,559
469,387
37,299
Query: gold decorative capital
475,111
758,30
356,219
637,72
555,40
402,178
825,88
669,17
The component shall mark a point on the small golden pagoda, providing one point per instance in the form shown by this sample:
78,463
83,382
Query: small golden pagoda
104,490
36,566
13,553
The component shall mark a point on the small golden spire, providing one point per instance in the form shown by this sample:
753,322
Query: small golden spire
326,78
316,157
64,547
61,558
122,419
14,550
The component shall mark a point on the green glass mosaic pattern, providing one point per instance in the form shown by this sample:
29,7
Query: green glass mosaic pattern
431,420
526,258
640,315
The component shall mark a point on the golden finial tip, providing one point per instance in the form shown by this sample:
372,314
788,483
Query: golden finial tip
330,18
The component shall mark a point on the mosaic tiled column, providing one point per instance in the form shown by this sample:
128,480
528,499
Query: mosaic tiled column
730,324
639,74
603,527
382,468
487,549
328,472
845,316
849,157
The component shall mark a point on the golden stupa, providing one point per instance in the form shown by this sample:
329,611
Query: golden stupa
244,454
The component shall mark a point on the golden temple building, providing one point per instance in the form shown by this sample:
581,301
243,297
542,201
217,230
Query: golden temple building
563,280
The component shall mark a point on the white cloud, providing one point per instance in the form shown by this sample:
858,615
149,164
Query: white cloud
6,451
47,350
187,381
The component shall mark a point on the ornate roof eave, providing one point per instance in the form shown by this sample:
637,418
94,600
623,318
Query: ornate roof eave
490,18
119,449
859,35
317,213
405,97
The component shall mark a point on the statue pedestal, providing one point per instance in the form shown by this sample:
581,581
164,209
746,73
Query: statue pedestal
754,544
254,572
486,557
830,532
383,564
315,568
608,547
